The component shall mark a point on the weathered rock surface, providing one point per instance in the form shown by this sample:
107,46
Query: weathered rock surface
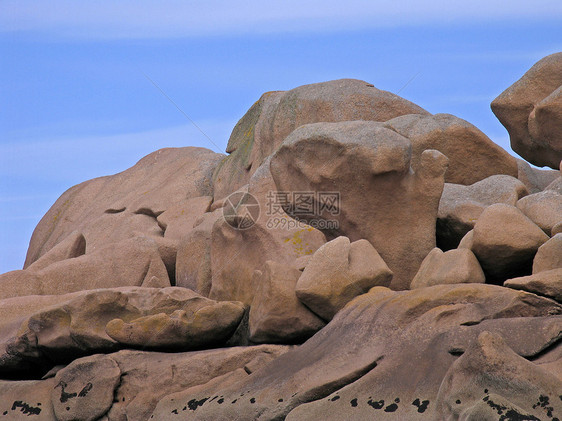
380,199
271,119
48,330
547,283
472,155
457,266
460,206
505,242
84,389
544,209
178,220
338,272
113,208
536,180
490,381
132,262
193,261
531,111
236,253
385,353
126,384
276,314
549,255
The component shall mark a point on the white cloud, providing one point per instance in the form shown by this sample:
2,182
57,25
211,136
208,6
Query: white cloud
174,18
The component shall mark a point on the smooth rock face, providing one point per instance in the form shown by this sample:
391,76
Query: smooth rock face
193,261
237,253
276,314
113,208
531,111
490,381
472,155
270,120
338,272
361,355
72,246
132,262
505,242
178,220
452,267
544,209
549,255
460,206
53,329
547,283
380,199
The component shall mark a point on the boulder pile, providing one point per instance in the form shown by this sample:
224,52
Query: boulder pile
352,257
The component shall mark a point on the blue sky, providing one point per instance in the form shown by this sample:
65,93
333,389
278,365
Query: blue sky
76,103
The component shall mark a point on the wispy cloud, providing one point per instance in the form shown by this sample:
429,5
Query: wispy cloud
175,18
65,158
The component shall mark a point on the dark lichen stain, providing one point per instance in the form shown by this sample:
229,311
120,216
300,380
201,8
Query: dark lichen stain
397,400
234,401
485,390
5,413
375,404
184,408
193,404
175,411
85,390
68,408
64,397
508,414
213,398
280,400
221,400
422,406
25,408
543,402
391,408
353,402
335,398
458,402
253,400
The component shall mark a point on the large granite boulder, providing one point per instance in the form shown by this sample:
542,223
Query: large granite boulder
367,167
37,332
460,206
117,207
531,111
276,114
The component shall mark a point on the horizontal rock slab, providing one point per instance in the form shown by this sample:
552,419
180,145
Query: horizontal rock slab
126,384
39,332
547,283
133,262
383,346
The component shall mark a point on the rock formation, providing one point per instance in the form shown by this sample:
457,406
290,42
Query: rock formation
352,257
